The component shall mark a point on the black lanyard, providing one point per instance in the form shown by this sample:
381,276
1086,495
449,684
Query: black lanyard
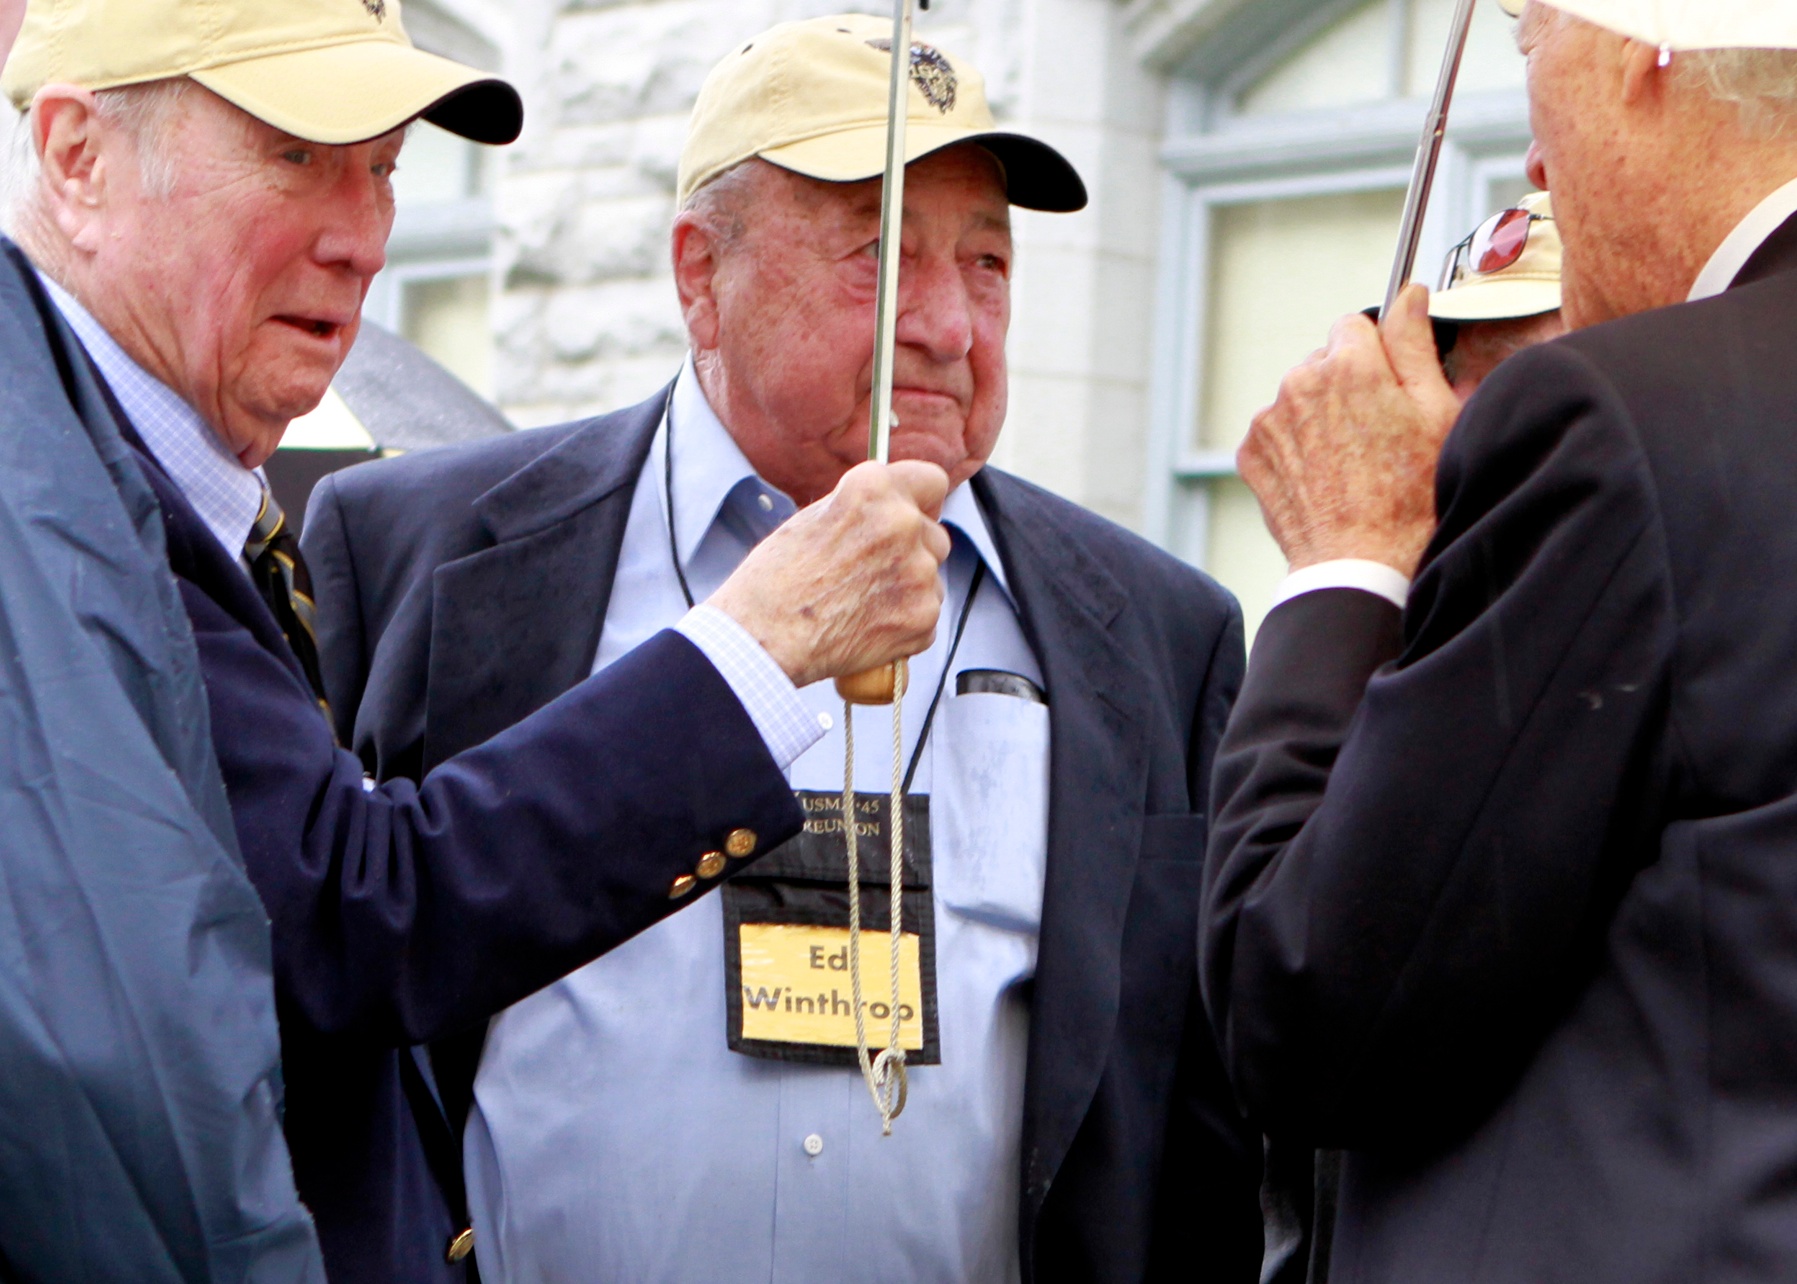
973,590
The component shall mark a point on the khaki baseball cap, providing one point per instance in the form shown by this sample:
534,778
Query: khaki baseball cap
811,97
328,71
1526,288
1687,24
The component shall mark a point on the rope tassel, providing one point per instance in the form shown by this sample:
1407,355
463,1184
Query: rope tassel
885,1074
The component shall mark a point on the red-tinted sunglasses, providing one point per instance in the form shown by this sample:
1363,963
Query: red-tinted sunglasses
1493,246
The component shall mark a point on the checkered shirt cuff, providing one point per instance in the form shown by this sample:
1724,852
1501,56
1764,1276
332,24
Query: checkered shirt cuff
767,694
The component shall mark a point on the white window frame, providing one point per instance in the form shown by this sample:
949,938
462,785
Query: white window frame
1214,157
447,239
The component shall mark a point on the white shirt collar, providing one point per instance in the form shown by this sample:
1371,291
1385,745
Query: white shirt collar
225,494
1739,246
709,466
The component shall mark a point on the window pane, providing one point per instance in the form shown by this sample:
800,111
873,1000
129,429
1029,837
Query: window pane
435,165
1243,556
449,319
1492,60
1349,63
1282,272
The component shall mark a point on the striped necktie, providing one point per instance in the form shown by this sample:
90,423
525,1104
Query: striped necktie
280,576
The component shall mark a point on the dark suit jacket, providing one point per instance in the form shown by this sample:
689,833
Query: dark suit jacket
1502,898
404,912
463,588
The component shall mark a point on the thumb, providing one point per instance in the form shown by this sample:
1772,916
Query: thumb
1410,341
924,483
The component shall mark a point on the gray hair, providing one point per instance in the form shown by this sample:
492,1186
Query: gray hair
1761,84
721,205
143,113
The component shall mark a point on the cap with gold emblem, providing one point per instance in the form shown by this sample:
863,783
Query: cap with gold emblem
811,97
327,71
1687,25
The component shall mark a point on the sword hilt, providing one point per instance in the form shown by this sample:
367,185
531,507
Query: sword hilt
873,686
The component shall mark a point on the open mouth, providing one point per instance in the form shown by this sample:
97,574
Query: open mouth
318,329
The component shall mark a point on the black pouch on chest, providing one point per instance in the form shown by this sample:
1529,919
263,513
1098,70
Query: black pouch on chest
786,940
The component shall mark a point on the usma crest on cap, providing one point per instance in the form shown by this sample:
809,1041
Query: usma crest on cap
377,9
933,74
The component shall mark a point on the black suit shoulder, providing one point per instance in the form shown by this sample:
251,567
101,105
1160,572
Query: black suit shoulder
1136,563
423,500
375,534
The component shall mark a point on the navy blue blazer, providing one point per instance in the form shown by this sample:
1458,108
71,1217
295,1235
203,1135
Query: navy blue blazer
404,912
464,588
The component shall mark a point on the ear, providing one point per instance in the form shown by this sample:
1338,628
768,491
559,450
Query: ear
695,252
66,131
1643,74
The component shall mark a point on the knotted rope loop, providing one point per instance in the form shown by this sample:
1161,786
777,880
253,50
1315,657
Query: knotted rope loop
886,1077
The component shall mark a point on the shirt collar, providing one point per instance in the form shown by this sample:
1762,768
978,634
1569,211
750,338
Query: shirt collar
711,468
225,494
1739,246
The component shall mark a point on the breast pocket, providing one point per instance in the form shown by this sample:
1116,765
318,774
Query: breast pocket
989,809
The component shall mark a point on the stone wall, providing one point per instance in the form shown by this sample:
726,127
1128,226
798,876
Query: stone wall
586,318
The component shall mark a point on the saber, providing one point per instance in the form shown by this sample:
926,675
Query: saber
884,1074
1428,157
892,217
877,686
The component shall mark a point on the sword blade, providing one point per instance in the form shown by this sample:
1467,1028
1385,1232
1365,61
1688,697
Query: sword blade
1428,157
892,215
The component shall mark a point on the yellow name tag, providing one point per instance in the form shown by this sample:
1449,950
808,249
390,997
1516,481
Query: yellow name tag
795,981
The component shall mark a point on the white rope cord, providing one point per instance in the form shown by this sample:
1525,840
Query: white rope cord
885,1074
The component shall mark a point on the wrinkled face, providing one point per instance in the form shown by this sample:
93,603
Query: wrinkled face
792,353
12,13
242,287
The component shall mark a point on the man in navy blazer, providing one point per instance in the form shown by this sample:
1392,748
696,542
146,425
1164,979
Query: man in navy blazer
614,1134
214,290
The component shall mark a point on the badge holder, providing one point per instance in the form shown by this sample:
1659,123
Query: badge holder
789,987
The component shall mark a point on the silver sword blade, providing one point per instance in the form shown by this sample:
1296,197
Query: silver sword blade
892,215
1428,157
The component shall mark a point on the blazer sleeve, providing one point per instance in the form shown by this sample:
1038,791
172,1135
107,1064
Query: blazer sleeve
405,912
1208,1200
1409,874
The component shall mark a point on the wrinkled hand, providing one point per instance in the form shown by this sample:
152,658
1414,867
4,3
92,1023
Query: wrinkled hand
850,583
1344,461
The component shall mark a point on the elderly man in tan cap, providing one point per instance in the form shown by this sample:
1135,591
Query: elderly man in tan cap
1499,293
689,1107
1500,898
211,198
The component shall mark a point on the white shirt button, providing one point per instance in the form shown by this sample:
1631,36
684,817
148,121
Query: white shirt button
814,1145
766,501
825,721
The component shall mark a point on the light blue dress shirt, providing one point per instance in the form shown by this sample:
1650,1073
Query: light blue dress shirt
615,1136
